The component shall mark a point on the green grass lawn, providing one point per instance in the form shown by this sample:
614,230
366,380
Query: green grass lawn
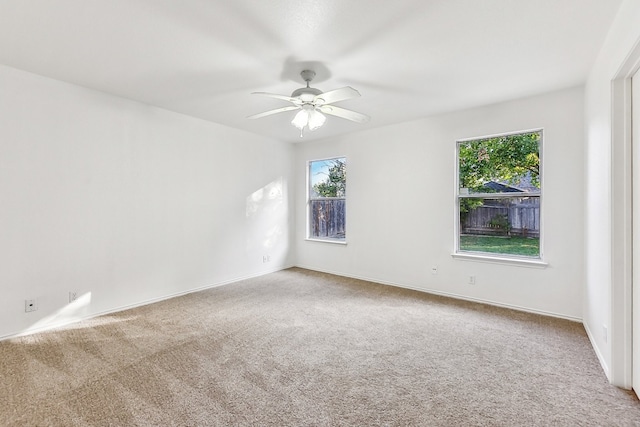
512,245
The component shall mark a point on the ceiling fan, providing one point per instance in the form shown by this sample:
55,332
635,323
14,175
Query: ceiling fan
312,103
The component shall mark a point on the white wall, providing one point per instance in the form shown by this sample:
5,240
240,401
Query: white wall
127,203
605,183
402,176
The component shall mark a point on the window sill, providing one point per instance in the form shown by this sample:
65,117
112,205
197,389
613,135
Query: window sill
332,241
522,262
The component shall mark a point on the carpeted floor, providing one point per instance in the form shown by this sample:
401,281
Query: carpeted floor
301,348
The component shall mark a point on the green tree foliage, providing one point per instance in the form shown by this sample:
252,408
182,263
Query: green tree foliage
501,222
506,158
335,183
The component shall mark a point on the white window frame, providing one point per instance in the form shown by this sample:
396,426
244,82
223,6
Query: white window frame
458,195
310,237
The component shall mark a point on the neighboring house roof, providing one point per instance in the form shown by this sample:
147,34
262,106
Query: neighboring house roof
524,184
502,188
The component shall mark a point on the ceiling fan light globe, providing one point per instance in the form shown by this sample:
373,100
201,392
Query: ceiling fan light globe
316,119
301,119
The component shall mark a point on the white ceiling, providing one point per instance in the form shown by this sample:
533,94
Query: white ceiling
408,58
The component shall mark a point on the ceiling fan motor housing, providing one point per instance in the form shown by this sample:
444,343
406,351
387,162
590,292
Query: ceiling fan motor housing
306,94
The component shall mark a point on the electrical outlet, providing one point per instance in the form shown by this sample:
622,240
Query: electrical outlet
30,305
472,280
73,295
266,258
434,270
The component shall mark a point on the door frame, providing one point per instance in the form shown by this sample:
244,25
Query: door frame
621,302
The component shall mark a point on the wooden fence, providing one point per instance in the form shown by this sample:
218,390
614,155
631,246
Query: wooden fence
519,219
328,218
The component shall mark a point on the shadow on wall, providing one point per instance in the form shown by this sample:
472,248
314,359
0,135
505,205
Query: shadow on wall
267,213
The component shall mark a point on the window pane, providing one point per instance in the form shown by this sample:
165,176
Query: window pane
327,190
508,226
505,164
327,218
328,178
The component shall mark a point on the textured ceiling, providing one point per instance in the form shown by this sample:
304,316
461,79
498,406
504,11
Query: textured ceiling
408,58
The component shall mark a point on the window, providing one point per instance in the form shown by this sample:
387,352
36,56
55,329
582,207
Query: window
327,191
498,193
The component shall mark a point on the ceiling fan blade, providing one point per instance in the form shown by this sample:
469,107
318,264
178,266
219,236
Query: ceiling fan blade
270,112
336,95
344,113
274,95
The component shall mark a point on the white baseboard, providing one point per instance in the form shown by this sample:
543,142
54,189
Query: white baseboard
262,273
599,355
55,325
450,295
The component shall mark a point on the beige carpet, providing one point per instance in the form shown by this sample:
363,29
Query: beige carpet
301,348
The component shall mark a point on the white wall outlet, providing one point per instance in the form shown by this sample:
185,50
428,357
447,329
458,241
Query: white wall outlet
472,280
266,258
30,305
73,295
434,270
